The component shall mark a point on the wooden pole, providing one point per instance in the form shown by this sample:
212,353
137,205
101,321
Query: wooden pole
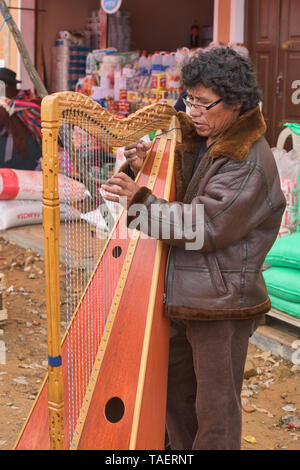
37,82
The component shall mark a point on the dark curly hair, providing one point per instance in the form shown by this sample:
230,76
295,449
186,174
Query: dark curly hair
230,75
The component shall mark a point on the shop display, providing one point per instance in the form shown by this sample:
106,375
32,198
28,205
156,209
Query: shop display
68,61
126,81
70,51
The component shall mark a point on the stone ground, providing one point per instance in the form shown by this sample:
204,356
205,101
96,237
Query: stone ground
271,390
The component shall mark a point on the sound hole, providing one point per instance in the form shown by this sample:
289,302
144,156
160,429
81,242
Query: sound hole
114,410
116,252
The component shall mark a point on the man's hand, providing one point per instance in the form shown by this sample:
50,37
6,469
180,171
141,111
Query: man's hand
136,153
120,186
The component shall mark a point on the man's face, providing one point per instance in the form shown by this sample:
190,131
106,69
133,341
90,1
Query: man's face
213,122
10,90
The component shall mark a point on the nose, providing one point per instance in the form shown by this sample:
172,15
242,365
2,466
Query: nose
194,111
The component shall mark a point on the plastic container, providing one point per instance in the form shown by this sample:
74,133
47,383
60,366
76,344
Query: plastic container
166,60
159,80
149,63
143,63
156,60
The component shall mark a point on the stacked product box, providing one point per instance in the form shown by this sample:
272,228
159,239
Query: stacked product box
93,26
68,64
119,31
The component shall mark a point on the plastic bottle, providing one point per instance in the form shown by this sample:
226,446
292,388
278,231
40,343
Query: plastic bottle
167,60
172,59
149,63
142,65
156,61
194,42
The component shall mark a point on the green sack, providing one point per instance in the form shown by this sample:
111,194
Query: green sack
292,308
283,283
285,252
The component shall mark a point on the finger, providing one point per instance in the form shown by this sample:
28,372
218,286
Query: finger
147,145
111,189
130,153
142,147
119,178
131,146
108,197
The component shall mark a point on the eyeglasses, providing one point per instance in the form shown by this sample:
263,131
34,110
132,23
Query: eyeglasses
197,106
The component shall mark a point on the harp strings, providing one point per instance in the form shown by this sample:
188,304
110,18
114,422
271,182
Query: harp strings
88,161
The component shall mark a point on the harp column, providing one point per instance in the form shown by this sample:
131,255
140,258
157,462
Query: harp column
51,222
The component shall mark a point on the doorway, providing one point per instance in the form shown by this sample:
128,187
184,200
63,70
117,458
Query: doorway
272,32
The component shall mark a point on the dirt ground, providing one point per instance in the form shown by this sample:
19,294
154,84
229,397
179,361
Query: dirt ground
271,390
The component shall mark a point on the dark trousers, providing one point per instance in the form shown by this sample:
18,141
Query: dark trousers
206,370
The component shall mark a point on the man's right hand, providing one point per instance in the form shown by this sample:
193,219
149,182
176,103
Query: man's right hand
136,153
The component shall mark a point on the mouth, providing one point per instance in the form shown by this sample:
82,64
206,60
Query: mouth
200,125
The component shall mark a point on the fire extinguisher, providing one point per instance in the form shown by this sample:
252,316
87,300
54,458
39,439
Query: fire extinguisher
194,42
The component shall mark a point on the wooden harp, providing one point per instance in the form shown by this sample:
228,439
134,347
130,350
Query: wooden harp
107,375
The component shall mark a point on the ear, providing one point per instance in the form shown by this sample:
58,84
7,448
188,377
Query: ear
237,107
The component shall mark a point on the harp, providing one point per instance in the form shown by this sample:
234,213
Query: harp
107,372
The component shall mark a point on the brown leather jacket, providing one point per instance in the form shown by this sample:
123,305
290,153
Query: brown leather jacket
238,185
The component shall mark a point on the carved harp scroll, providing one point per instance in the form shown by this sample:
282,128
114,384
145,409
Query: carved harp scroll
107,371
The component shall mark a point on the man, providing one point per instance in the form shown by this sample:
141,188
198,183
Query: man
215,293
9,78
20,125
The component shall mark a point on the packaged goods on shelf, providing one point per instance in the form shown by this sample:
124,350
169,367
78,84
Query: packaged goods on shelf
95,57
123,82
93,26
68,61
119,31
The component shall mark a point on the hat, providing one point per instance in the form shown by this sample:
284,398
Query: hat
8,76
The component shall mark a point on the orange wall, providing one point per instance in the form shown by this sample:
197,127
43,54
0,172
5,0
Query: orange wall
224,21
166,25
10,53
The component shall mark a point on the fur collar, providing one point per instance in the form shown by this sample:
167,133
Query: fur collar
236,142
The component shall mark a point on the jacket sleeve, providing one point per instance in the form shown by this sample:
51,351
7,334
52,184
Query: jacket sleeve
235,201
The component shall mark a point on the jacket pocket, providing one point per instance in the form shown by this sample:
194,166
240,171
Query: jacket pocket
215,273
